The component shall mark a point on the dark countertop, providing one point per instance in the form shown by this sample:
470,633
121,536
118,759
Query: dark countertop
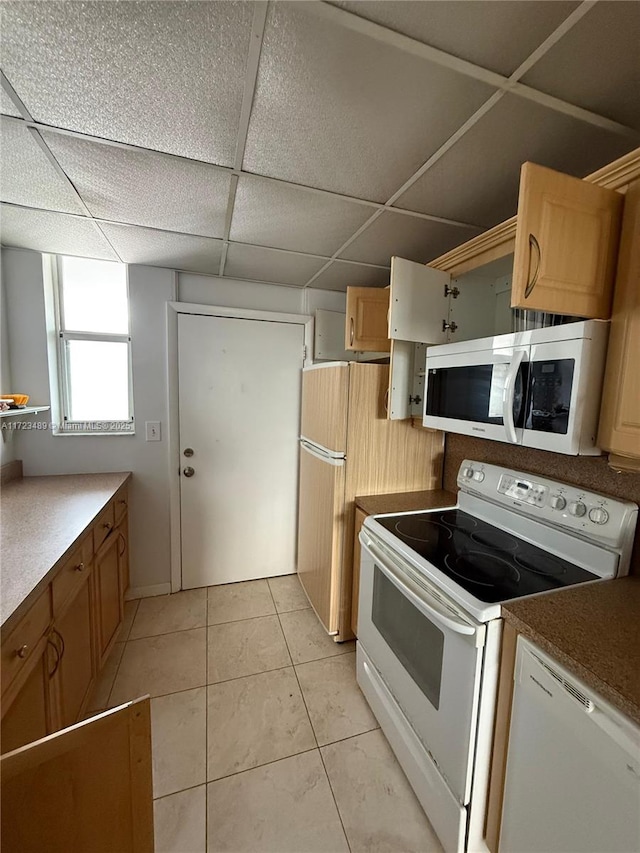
594,631
405,501
42,518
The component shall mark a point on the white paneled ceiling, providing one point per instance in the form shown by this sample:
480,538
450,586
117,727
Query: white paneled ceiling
28,228
278,142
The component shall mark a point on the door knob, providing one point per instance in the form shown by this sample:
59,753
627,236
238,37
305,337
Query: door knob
188,471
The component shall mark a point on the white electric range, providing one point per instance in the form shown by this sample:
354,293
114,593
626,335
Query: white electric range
429,627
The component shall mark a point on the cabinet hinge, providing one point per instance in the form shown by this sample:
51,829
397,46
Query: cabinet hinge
451,291
417,399
451,326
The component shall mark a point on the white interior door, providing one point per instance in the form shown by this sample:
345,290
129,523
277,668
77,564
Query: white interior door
239,401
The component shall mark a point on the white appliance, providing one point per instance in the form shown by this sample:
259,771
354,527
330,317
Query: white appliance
540,388
573,766
429,626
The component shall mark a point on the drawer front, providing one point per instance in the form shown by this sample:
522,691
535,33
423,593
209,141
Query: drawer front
19,645
72,575
121,504
104,525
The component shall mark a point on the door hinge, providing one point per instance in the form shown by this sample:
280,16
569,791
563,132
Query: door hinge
451,326
451,291
304,352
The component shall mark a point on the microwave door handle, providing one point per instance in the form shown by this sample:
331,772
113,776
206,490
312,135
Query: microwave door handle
427,609
508,395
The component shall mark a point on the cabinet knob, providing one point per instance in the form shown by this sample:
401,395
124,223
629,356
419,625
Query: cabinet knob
80,567
122,501
107,525
22,651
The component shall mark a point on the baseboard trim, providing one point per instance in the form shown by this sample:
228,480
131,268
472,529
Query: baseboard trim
147,591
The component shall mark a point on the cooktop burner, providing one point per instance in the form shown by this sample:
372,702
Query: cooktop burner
491,564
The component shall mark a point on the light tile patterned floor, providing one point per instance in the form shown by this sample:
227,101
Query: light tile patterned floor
262,740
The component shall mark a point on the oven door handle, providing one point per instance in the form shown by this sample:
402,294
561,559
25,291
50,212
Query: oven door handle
508,395
405,585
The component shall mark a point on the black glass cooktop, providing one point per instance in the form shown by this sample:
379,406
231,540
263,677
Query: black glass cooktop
490,563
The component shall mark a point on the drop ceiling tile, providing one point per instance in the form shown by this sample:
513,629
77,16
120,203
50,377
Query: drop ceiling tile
596,65
143,187
58,233
345,112
164,249
6,105
495,34
259,264
407,236
167,76
339,276
27,176
477,179
272,214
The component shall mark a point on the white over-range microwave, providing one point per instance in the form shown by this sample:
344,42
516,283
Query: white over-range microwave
539,388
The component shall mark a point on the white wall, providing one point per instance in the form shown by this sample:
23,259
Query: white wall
150,288
7,444
43,453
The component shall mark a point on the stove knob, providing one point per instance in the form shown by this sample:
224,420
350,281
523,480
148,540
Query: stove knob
468,473
478,476
598,515
558,502
578,508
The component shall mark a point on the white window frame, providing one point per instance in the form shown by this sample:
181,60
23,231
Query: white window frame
66,425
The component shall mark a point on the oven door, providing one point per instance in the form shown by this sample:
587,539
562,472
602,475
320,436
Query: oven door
478,393
429,654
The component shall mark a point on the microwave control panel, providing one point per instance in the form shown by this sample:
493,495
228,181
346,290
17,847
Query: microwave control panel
522,490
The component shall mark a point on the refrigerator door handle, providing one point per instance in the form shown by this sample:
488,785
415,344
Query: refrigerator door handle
330,460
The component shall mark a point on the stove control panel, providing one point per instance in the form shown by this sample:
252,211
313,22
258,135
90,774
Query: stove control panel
523,490
574,509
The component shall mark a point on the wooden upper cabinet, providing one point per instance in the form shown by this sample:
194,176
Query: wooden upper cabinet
620,413
566,244
367,323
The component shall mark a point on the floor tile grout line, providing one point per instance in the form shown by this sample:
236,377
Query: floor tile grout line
180,791
304,701
265,764
326,772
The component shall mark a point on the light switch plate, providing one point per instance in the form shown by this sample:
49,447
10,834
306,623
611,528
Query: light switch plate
152,430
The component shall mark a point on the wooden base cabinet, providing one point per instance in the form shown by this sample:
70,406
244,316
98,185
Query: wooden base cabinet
109,593
26,715
73,675
53,655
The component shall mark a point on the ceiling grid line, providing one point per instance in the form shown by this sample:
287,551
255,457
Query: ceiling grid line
524,66
258,24
381,32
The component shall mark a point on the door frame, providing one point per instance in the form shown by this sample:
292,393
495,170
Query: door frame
173,407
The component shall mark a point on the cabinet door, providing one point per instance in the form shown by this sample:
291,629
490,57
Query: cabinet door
25,714
360,517
620,413
74,673
566,244
87,788
107,594
419,307
122,532
367,319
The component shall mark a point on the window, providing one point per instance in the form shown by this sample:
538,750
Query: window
94,345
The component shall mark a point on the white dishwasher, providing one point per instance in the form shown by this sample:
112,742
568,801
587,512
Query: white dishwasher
573,766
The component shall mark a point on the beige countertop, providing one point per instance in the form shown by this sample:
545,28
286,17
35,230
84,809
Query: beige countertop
406,501
594,631
41,519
